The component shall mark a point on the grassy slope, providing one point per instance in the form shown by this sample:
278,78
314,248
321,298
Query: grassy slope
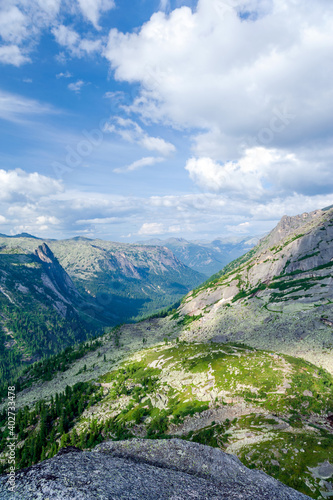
263,406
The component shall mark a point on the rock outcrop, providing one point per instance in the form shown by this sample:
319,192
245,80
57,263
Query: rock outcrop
58,279
276,297
143,469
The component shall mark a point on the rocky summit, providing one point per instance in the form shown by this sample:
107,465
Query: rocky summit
144,469
278,296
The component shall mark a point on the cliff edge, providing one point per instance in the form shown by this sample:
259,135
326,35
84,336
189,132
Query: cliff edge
145,469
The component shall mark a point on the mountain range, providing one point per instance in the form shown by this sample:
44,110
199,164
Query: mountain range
206,257
126,281
56,293
243,364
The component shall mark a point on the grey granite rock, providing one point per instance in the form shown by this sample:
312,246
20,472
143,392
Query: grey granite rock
143,469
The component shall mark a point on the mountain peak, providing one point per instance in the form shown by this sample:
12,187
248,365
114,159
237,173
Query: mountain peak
45,254
287,275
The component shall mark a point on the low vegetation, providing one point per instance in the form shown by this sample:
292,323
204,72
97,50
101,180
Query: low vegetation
211,394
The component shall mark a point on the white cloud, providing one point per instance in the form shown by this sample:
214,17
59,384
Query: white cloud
153,228
258,81
67,74
92,9
132,132
12,54
90,46
66,37
13,25
44,222
2,219
14,107
21,24
77,86
150,228
19,185
263,173
244,177
164,5
243,228
71,40
51,7
144,162
35,203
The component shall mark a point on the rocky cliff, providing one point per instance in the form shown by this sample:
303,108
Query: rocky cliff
278,296
143,469
58,279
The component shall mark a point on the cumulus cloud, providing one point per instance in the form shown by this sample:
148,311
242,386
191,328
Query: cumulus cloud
20,185
92,9
71,40
13,25
263,173
143,162
243,228
12,54
66,36
38,204
245,74
22,23
67,74
51,7
150,228
130,131
76,86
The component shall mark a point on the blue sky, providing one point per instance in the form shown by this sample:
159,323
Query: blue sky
138,119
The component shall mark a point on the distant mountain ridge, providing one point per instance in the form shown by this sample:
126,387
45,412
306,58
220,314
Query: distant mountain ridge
206,257
124,280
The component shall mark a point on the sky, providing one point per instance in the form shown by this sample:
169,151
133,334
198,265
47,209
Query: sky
136,119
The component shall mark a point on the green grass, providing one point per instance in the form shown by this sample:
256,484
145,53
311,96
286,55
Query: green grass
302,451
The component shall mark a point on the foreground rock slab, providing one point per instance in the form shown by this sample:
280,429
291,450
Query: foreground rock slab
144,469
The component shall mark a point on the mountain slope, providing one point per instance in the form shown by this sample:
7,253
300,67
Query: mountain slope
278,296
125,281
206,258
40,308
271,410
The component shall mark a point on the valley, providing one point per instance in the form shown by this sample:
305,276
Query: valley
243,364
54,294
206,257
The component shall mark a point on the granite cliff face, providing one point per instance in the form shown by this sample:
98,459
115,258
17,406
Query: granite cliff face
143,469
277,296
57,276
41,310
36,281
